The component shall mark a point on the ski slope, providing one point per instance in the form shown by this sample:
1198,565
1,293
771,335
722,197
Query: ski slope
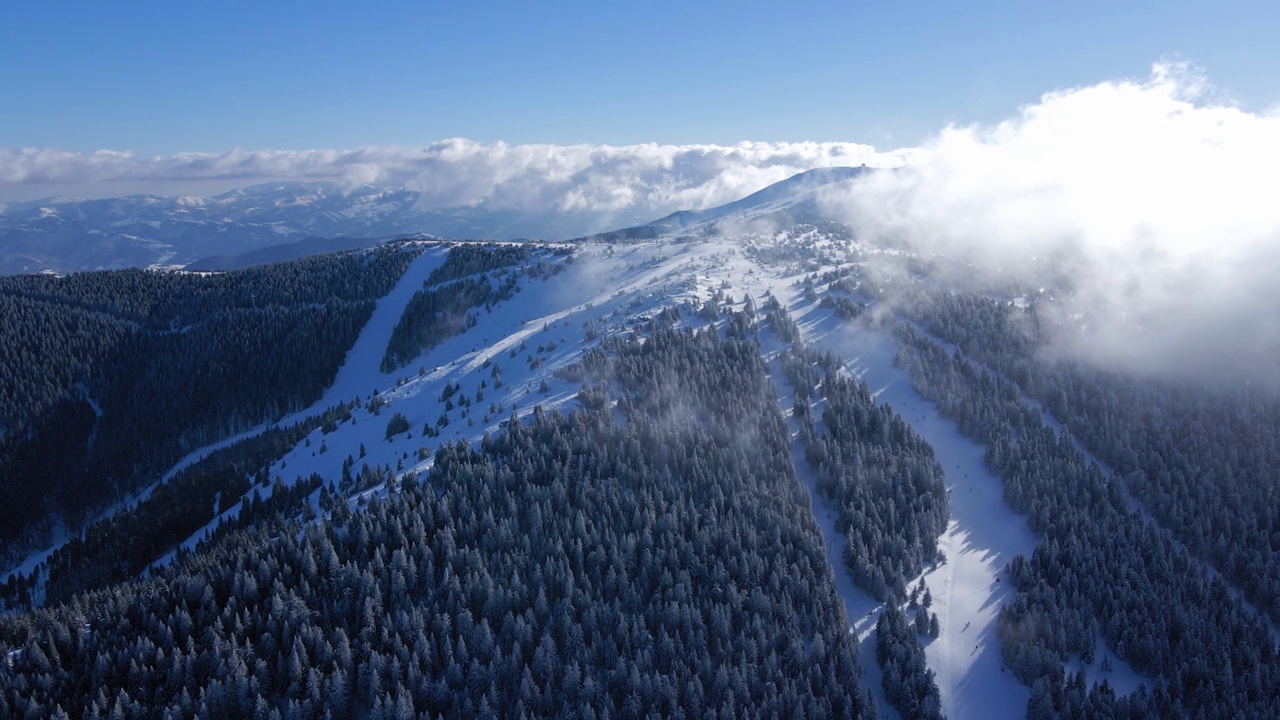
615,288
862,609
983,536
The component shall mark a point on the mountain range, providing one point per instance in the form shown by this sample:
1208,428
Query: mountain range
63,235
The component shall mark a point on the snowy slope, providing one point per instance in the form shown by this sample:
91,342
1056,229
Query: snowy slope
861,609
614,288
542,329
983,536
790,191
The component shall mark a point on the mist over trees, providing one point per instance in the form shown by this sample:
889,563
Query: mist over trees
1200,456
888,490
570,565
880,476
1100,570
1162,556
649,552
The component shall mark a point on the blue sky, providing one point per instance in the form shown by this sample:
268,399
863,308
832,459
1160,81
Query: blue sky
163,78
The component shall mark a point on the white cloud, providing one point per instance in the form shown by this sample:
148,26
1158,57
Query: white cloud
1154,201
597,179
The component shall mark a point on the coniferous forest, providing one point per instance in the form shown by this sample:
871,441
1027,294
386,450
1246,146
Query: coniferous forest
447,301
648,548
1144,586
581,565
109,377
734,360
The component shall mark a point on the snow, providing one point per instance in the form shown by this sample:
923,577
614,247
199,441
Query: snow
613,286
415,390
862,610
357,366
458,360
361,363
204,532
61,536
1141,511
1122,678
365,356
983,536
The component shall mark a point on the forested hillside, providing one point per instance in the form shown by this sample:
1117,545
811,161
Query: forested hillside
1101,570
1152,496
1199,454
584,565
110,376
601,480
449,299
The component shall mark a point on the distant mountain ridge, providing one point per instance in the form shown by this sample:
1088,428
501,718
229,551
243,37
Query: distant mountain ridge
280,221
63,235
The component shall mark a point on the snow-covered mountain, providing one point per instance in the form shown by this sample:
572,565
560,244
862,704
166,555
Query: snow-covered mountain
64,235
794,195
615,291
783,203
807,295
278,221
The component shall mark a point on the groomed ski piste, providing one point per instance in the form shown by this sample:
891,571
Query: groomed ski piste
613,289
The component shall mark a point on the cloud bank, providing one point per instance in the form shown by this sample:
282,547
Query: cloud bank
1150,205
454,173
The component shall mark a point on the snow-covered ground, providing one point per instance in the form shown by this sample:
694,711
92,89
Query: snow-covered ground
365,356
983,536
60,536
544,321
1140,510
1123,678
614,287
360,364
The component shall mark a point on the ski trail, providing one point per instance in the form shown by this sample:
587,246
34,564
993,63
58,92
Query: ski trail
1136,505
861,608
362,361
367,349
982,536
